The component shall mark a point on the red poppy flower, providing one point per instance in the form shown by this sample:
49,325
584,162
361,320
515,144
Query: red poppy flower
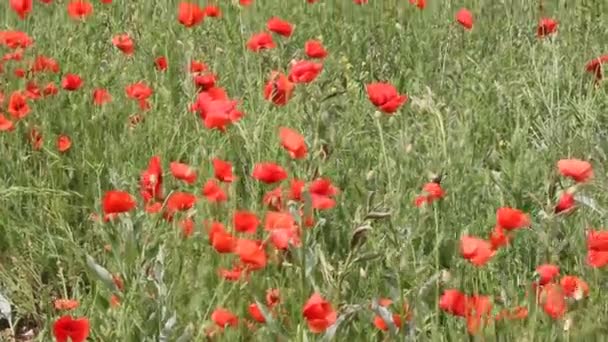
546,273
251,253
269,173
161,63
432,192
216,109
282,238
465,18
180,201
63,143
261,41
579,170
479,311
314,49
224,318
380,324
21,7
233,274
597,248
6,125
124,43
189,14
65,304
50,89
546,26
15,39
214,192
71,82
205,81
476,250
151,181
566,203
595,66
318,313
255,313
245,222
42,63
279,89
498,237
17,106
183,172
273,297
293,142
72,329
360,2
274,198
220,239
138,91
304,71
453,302
79,9
322,193
385,97
279,26
212,11
553,301
421,4
222,170
510,218
574,287
101,96
116,202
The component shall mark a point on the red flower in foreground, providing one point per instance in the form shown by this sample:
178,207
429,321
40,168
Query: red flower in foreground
595,66
161,63
476,250
220,239
183,172
260,41
597,248
151,181
189,14
304,71
224,318
67,328
251,253
546,26
222,170
71,82
116,202
269,173
293,142
465,18
510,218
385,97
279,89
566,203
318,313
245,222
546,273
421,4
180,201
476,309
124,43
314,49
579,170
79,9
574,287
17,105
64,143
21,7
279,26
553,300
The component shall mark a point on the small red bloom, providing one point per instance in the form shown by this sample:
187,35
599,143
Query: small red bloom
421,4
224,318
220,239
189,14
79,9
64,143
279,89
251,253
151,181
6,125
183,172
261,41
579,170
566,203
223,170
465,18
597,248
553,301
546,26
101,96
314,49
279,26
476,250
161,63
116,202
385,97
595,66
498,237
180,201
21,7
510,218
293,142
212,11
304,71
245,222
124,43
71,82
17,106
574,287
214,192
546,273
269,173
318,313
67,328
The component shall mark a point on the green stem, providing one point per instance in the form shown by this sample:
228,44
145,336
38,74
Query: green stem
384,154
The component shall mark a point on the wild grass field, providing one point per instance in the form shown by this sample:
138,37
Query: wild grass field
300,170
